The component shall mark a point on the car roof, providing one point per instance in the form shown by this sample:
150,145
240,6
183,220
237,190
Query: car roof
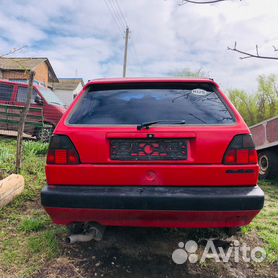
19,83
149,79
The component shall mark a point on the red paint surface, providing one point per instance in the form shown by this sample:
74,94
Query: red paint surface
138,175
144,218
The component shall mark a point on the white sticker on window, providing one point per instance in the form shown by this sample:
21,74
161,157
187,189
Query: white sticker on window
199,92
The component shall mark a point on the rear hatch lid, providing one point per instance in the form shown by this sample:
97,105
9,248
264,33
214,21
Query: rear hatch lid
151,122
151,133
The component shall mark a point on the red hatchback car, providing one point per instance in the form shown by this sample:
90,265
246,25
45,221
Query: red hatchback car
152,153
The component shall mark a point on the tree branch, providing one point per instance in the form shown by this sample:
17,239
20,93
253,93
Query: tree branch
200,2
250,55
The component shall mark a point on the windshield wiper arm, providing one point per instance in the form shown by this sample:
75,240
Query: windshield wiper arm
148,124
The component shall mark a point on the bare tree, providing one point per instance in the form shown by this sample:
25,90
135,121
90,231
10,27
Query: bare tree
247,54
252,55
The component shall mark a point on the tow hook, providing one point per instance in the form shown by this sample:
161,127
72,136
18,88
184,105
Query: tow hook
92,231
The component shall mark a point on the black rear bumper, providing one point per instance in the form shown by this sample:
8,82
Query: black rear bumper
154,198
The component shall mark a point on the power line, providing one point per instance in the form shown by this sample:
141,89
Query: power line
122,23
111,10
133,45
116,14
13,51
120,12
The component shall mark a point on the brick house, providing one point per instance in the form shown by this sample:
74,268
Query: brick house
16,69
67,89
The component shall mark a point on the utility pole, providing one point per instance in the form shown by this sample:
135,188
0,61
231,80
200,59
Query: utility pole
125,54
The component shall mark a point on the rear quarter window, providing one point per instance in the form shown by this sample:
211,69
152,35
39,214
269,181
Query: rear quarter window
133,104
22,95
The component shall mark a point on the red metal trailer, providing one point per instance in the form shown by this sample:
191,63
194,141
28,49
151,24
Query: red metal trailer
265,135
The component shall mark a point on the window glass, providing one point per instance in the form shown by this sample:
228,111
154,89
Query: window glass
193,103
6,92
22,95
50,97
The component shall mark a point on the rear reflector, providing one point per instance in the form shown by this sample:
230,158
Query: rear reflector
241,151
62,151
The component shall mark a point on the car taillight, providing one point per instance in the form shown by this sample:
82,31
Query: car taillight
62,151
241,151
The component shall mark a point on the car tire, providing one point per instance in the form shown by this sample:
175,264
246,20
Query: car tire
268,164
44,133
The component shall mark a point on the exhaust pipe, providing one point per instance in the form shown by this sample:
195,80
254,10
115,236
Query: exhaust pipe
95,232
80,237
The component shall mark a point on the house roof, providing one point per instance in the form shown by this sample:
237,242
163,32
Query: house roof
27,63
68,84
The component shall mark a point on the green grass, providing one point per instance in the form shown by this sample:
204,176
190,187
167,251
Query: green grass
34,224
7,156
266,223
46,242
35,148
31,149
28,239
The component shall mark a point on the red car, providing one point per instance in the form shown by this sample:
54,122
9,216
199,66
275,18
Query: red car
152,153
13,95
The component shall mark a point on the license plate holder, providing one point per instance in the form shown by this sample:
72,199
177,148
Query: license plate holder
148,149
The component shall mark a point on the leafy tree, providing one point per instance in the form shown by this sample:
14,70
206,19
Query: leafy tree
253,108
245,104
267,97
257,107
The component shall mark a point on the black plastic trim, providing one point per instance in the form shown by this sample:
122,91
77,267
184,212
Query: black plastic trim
154,198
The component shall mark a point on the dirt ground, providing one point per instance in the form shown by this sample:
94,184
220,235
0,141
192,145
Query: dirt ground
141,252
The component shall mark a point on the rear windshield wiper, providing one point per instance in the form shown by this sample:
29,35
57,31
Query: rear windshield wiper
148,124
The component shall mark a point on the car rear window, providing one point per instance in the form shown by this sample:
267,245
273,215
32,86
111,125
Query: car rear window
132,104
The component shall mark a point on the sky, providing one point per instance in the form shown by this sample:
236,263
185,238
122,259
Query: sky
86,38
